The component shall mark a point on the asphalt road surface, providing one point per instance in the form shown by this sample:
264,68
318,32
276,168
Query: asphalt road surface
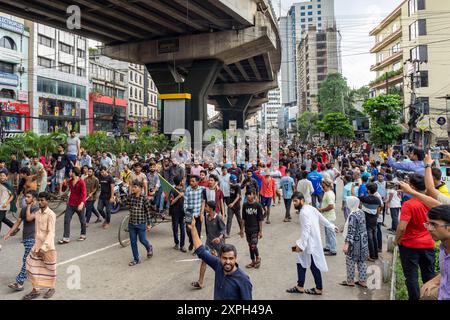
98,267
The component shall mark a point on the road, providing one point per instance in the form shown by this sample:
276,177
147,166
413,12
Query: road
102,266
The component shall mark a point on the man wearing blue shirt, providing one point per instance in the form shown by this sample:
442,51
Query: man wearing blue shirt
287,185
416,165
231,283
316,180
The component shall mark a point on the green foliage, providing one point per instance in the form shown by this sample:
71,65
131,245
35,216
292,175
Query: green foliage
386,75
307,125
336,125
332,91
385,112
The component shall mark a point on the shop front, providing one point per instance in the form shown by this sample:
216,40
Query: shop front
15,118
55,115
101,113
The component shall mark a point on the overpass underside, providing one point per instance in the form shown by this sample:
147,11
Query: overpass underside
224,52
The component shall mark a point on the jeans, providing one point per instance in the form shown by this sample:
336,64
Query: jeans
252,240
413,259
5,220
287,205
330,239
316,200
90,207
179,222
104,204
395,212
379,236
301,272
28,245
138,230
371,224
70,210
198,226
236,211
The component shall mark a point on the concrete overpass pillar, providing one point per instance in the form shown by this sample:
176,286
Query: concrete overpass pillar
199,81
235,112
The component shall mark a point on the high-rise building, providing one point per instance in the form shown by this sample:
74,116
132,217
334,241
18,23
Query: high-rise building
318,55
269,111
300,18
14,72
59,80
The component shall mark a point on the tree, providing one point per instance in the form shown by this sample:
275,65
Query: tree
306,125
333,93
385,112
336,125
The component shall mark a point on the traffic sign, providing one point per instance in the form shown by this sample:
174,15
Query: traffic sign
441,121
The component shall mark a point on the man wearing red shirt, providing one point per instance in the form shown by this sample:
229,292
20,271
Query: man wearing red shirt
268,192
416,246
77,199
203,181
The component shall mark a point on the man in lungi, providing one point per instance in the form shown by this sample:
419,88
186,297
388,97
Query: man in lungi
41,262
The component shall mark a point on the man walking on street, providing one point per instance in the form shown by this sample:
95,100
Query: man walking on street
252,217
176,211
287,184
316,180
77,200
139,223
234,207
194,206
92,187
41,262
106,196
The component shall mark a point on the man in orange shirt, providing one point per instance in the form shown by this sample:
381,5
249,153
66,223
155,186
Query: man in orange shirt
268,192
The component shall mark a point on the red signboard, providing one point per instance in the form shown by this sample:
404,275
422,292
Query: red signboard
14,107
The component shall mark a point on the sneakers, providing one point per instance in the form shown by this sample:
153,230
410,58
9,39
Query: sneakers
183,249
150,253
176,247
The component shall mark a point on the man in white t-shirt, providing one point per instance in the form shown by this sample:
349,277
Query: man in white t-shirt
393,202
73,147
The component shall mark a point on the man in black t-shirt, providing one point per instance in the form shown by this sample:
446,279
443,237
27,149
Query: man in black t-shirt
106,196
234,207
62,167
176,211
27,216
252,217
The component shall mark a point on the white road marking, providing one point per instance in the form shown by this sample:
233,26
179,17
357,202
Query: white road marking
188,260
87,254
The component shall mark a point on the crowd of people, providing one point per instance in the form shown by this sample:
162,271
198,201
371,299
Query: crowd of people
207,196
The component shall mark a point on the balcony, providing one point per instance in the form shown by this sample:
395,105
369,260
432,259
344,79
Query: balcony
389,60
389,39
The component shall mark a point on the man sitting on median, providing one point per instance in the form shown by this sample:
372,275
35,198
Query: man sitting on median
231,283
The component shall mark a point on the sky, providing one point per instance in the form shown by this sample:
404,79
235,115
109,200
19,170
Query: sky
355,19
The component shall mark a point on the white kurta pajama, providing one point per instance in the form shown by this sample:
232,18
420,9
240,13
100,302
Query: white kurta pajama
310,241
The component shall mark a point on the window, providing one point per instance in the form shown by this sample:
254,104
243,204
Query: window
319,6
131,92
121,77
80,92
302,20
417,28
46,85
319,19
65,48
423,105
67,68
310,6
319,25
81,72
81,53
395,48
380,57
66,89
44,62
302,7
310,13
423,79
321,37
414,5
310,19
302,14
6,67
419,53
397,66
8,43
46,41
319,12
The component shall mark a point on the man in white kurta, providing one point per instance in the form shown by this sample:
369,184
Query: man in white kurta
309,246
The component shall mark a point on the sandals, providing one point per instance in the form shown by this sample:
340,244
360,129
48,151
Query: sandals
197,285
133,263
294,290
82,238
313,291
49,293
32,295
361,285
346,284
62,241
250,265
15,286
257,263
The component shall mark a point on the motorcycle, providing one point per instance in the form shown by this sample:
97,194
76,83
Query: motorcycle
120,196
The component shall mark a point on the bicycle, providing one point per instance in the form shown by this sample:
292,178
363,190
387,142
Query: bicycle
124,235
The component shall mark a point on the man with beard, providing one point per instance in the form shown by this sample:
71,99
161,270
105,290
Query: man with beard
231,283
309,246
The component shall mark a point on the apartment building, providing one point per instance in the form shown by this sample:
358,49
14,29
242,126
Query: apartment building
59,80
318,55
269,111
14,72
108,97
300,18
389,54
151,101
